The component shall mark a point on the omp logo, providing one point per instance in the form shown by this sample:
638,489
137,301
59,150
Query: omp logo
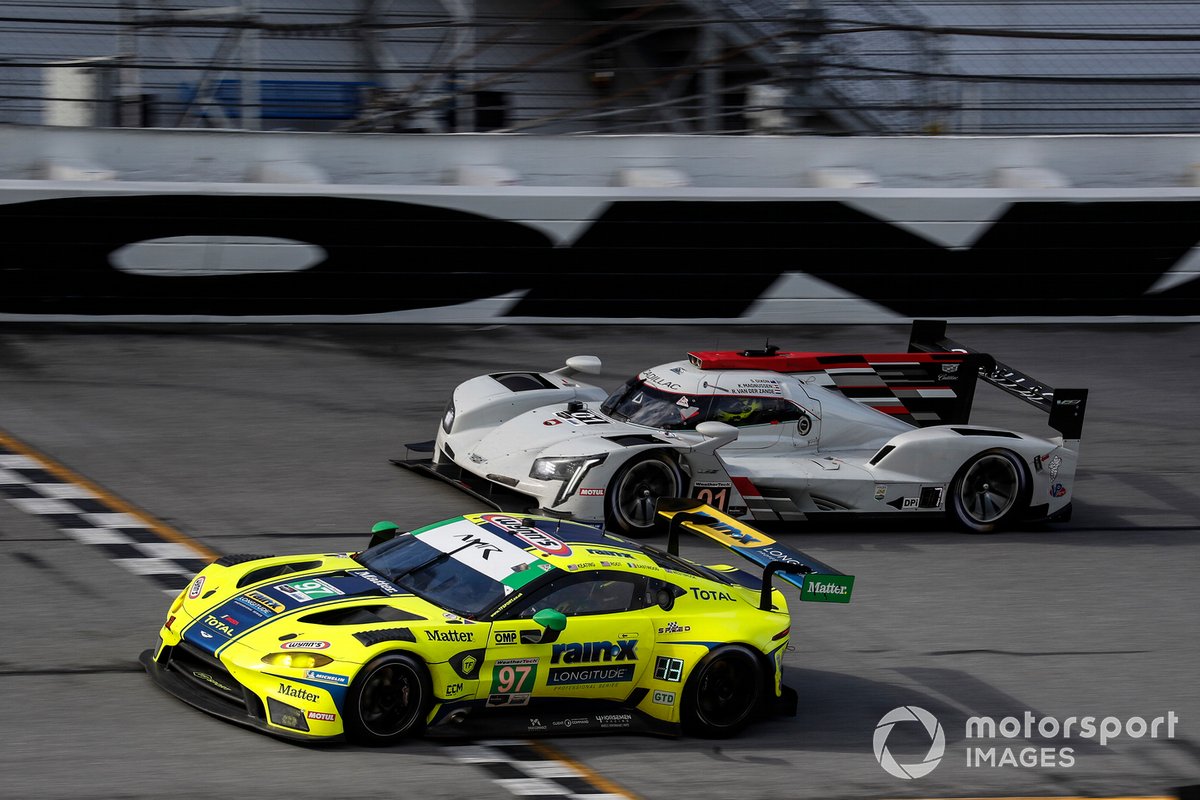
937,742
505,637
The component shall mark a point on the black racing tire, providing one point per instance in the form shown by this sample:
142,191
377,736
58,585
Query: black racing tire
990,492
634,492
388,700
723,693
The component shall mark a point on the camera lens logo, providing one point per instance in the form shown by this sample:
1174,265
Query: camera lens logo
937,742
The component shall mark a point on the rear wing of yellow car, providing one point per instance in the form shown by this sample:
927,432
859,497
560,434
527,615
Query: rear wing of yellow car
817,581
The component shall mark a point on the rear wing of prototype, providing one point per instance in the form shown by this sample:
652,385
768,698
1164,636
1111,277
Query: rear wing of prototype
1065,406
817,581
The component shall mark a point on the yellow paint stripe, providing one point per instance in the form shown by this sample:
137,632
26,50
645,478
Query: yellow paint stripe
597,780
117,504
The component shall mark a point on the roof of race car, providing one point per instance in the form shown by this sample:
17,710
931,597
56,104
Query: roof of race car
514,549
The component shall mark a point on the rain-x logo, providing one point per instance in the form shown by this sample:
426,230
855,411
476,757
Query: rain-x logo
937,742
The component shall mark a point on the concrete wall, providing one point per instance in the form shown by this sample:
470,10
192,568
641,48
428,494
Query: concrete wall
219,226
701,161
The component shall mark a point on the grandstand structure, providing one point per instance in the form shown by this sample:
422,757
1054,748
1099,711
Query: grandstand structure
786,67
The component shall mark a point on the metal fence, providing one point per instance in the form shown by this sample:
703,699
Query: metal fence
897,67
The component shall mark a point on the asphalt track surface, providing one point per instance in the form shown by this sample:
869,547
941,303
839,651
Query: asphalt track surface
277,439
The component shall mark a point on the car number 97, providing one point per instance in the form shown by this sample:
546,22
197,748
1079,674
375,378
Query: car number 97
514,675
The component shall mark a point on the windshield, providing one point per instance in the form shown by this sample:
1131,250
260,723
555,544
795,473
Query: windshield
646,405
434,575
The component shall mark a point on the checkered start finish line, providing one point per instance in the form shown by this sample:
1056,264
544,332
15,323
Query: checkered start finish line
126,538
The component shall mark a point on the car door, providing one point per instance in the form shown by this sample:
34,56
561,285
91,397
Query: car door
600,655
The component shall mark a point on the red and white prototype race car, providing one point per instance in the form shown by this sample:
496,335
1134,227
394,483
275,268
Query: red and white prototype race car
763,435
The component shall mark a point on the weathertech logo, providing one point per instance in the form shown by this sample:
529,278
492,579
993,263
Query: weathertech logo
937,742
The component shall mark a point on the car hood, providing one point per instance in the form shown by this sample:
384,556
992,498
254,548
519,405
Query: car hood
299,603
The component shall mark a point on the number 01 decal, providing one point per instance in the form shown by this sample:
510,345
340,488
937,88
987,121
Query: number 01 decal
715,495
514,675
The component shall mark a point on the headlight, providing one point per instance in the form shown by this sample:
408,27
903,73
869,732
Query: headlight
448,416
297,660
570,470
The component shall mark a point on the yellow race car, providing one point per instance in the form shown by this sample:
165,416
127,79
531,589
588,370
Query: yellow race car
493,624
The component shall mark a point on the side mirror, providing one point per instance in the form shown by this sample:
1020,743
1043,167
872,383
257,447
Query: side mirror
716,435
588,365
382,532
551,618
553,623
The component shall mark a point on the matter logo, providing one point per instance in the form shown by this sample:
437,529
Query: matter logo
937,742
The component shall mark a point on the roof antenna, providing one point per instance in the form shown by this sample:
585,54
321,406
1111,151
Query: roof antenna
768,350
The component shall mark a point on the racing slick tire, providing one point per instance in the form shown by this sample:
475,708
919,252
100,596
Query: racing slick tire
388,700
634,492
990,492
722,694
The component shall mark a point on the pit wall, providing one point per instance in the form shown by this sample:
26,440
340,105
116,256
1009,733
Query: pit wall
200,226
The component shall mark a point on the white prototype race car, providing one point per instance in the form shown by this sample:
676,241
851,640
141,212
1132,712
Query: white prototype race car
762,435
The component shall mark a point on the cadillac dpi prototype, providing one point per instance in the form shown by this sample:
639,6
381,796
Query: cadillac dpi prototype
492,624
763,435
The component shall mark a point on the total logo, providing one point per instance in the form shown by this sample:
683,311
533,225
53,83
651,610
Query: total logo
937,742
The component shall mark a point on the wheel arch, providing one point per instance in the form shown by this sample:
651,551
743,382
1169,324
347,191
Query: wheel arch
766,672
359,730
634,458
1024,489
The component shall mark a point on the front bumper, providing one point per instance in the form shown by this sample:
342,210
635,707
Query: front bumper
202,682
495,495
